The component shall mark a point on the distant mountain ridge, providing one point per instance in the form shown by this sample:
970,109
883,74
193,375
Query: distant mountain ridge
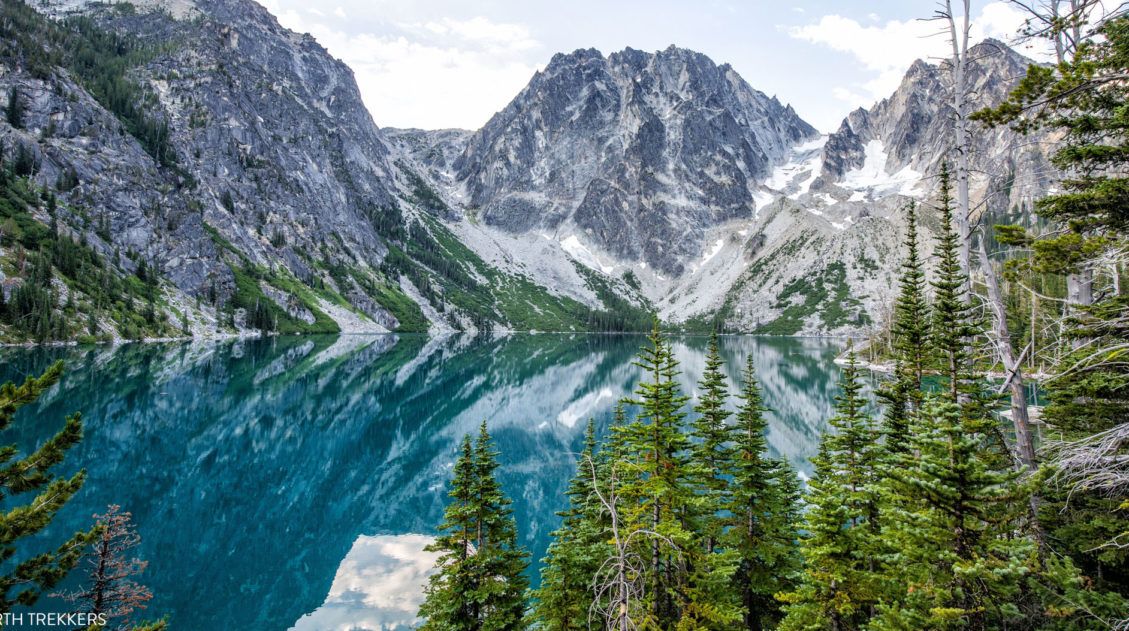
609,186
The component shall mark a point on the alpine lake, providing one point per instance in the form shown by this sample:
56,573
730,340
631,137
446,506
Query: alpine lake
293,482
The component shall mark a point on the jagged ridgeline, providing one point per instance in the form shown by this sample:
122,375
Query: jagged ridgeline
223,175
195,168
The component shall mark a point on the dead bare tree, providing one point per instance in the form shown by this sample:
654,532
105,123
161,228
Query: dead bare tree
1013,368
110,588
619,586
959,28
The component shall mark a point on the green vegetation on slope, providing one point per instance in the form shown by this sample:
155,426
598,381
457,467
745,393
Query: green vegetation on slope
91,288
98,59
450,275
825,293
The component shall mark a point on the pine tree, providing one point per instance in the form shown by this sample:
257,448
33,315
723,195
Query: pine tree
661,495
27,579
711,452
499,562
910,330
564,599
1085,97
951,527
480,583
953,327
840,585
447,606
763,510
14,112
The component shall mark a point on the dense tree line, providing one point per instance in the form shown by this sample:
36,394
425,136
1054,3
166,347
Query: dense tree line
1085,508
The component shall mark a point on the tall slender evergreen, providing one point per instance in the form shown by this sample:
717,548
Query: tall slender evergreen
840,586
480,583
953,327
761,514
711,451
658,448
564,599
910,331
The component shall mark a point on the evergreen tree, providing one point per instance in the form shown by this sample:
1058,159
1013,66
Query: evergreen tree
564,599
1085,97
499,562
14,112
953,328
840,585
951,528
762,513
25,580
661,494
480,582
910,330
447,605
711,451
686,586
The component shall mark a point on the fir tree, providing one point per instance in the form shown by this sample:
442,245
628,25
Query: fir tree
840,585
26,579
564,599
14,112
951,528
711,452
762,509
499,562
480,582
685,585
661,494
1085,98
953,326
447,605
910,330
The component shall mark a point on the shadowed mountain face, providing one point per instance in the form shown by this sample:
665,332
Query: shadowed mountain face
253,468
640,151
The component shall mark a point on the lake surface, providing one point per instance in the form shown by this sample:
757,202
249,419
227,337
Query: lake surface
293,482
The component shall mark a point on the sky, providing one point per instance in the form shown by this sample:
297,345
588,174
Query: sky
436,64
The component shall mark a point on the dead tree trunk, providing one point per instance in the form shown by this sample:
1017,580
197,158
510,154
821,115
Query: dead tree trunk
958,36
1024,442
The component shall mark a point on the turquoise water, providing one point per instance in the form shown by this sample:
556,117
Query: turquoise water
293,482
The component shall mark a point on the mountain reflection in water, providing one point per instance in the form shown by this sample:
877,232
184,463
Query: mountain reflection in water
294,481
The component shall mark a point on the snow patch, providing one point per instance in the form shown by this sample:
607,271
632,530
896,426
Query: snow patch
586,257
717,246
796,176
872,177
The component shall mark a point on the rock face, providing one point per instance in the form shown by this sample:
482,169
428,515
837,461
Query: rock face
273,131
640,152
911,131
273,159
641,179
837,236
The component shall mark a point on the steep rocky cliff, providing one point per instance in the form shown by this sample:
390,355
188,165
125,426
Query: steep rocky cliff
639,152
219,173
234,161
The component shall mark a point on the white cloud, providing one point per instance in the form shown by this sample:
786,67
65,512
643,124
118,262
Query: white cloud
430,74
887,50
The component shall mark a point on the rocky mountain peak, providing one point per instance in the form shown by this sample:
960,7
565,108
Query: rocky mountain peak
634,154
